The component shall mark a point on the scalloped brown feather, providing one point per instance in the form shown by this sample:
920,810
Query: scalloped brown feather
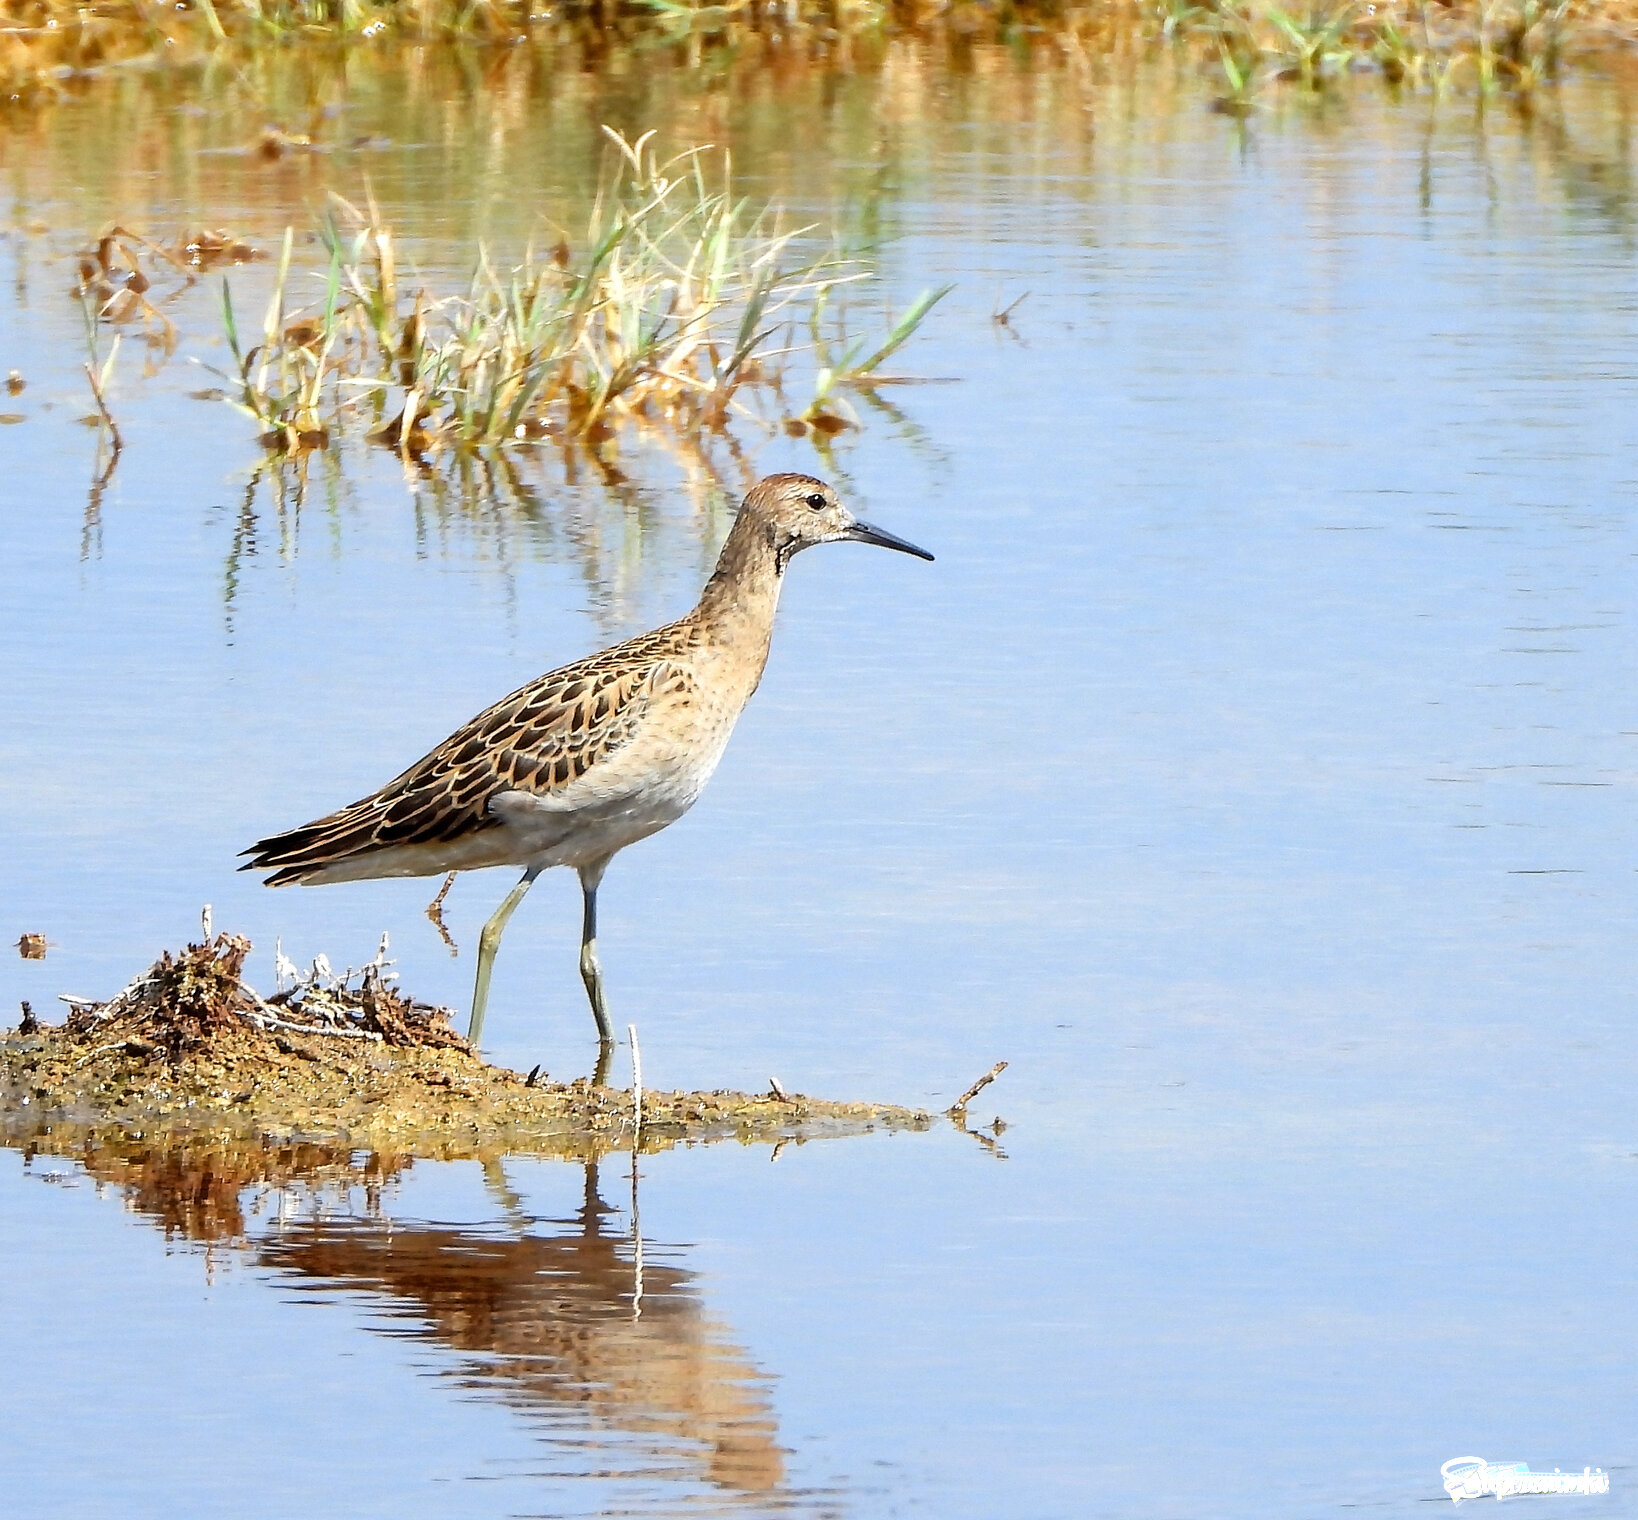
540,739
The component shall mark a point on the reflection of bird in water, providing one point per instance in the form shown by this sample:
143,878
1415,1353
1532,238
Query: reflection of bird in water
588,759
556,1318
576,1325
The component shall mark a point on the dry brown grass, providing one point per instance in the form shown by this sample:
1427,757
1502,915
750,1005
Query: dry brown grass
46,45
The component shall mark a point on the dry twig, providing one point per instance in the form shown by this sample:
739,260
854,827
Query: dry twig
636,1086
960,1104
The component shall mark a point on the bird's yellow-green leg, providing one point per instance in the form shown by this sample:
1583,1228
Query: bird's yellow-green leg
591,973
488,943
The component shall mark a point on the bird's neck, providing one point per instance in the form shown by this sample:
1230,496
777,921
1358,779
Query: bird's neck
737,607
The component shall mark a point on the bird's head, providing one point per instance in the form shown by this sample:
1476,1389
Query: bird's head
797,512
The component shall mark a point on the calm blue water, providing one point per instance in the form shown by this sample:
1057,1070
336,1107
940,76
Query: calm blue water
1253,771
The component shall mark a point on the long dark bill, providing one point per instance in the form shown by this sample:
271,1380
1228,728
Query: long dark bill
864,533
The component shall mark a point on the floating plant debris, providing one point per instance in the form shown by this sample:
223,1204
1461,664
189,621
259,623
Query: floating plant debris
206,249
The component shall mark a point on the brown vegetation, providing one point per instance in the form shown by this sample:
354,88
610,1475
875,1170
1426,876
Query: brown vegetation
46,45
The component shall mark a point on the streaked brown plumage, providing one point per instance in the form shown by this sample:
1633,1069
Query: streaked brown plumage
538,740
587,759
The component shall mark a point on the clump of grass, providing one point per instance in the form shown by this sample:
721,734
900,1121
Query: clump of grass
1515,45
1241,64
282,379
1313,42
682,310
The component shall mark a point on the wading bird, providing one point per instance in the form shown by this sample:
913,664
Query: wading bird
585,760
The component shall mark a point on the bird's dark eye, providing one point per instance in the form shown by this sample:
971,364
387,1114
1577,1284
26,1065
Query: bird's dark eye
816,501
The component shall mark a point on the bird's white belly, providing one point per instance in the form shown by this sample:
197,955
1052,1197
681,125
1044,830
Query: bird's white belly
540,833
635,793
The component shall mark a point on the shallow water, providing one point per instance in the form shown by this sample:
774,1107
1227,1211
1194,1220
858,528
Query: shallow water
1252,771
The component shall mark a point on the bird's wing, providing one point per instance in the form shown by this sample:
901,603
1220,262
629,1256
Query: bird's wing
540,740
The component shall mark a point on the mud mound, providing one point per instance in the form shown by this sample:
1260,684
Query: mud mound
188,1045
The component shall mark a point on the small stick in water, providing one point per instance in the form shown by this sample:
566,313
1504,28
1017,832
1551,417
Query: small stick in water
636,1087
960,1104
636,1151
97,383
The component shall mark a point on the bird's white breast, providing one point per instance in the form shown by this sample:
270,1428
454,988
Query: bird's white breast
646,784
